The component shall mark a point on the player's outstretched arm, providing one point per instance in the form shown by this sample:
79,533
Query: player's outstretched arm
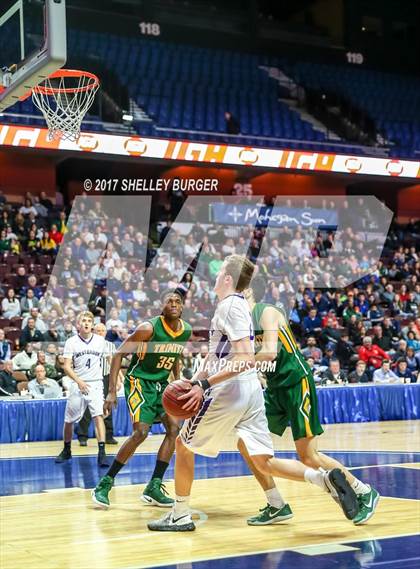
130,346
202,372
270,321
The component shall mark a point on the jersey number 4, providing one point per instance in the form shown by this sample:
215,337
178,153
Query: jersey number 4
88,363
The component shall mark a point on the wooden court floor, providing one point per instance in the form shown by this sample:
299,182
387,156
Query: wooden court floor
59,528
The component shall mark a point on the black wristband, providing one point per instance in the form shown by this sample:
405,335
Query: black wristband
204,384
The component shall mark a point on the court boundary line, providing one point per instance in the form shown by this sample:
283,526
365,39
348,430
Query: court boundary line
154,453
56,490
399,498
392,465
393,561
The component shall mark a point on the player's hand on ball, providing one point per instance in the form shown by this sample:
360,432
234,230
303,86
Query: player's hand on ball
84,387
109,403
194,398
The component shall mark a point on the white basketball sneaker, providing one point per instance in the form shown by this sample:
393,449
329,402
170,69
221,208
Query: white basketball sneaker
171,523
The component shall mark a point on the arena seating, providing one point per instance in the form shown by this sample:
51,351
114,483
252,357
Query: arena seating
189,88
400,260
392,101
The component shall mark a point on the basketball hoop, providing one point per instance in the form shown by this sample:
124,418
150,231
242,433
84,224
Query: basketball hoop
64,98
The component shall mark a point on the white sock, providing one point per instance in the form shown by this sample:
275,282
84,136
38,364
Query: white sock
181,505
315,477
274,498
360,488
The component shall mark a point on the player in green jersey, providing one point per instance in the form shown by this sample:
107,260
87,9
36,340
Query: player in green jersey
290,397
156,345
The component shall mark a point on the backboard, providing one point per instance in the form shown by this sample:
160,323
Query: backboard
33,40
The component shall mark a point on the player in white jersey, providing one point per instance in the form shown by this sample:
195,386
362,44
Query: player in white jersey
82,431
228,398
83,364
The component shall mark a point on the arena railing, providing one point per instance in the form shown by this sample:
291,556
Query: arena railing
236,138
120,128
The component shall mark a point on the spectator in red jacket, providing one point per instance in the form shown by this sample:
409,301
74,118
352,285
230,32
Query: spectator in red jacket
55,235
330,319
372,354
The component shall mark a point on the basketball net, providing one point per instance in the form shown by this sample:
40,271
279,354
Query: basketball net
64,99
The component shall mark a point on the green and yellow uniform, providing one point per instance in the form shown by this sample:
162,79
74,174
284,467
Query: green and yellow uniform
149,369
290,396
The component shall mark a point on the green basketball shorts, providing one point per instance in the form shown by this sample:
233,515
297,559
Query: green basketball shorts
296,405
144,399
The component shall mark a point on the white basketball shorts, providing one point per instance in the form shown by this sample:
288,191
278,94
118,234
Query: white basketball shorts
77,402
234,406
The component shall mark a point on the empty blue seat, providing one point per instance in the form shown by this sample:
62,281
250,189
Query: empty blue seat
191,87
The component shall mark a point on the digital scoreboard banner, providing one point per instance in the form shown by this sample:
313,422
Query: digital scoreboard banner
210,153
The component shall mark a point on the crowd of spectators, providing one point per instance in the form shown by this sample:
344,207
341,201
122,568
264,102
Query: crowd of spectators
369,331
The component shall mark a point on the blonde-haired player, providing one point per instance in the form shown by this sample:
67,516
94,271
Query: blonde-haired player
83,354
227,398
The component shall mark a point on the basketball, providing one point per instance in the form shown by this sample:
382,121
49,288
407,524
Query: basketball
171,403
